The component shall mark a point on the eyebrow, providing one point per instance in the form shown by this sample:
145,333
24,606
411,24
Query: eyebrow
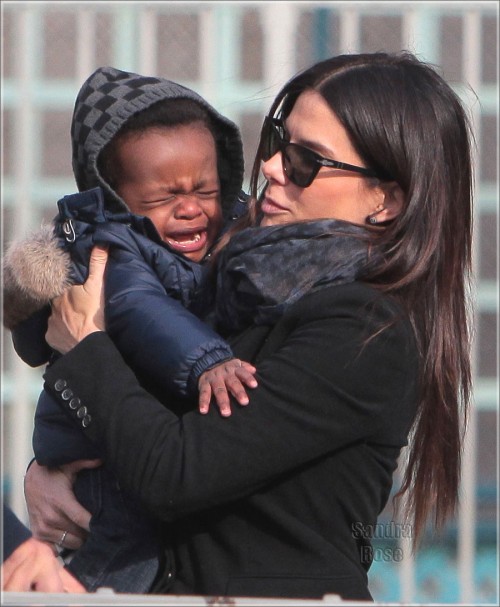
314,146
317,147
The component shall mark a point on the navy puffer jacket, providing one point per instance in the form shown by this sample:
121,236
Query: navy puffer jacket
155,302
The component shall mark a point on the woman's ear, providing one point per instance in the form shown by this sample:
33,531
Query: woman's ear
393,201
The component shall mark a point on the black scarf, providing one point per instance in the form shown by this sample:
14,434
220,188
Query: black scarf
263,270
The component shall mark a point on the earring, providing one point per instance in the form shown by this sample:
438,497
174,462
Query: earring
372,218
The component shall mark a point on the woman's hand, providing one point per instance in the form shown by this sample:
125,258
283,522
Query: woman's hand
79,311
53,508
224,379
33,566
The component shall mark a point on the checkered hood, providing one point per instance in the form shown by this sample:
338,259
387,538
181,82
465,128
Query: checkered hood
109,97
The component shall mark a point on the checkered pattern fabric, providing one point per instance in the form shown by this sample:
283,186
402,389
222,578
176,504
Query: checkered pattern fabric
263,272
109,97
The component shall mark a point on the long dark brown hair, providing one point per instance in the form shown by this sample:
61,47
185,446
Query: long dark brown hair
404,120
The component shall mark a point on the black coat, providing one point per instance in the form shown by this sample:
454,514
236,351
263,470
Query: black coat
270,501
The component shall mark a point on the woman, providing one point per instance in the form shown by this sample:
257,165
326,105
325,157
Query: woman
350,299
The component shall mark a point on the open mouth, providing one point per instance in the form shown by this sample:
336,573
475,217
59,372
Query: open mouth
187,242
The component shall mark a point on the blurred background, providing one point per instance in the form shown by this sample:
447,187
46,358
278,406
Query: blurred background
237,55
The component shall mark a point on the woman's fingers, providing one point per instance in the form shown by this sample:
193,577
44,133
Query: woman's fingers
75,513
94,284
97,266
71,540
32,566
79,311
81,464
52,506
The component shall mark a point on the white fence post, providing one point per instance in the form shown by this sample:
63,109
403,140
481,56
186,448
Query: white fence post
24,174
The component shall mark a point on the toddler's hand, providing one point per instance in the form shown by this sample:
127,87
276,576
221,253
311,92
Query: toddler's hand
224,379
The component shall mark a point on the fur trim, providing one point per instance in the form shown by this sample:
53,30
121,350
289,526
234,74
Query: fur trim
35,270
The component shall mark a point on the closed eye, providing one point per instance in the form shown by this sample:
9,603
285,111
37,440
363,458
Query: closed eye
201,194
159,202
207,194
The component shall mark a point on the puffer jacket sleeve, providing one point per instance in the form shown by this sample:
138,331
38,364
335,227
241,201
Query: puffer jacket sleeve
28,338
35,270
148,290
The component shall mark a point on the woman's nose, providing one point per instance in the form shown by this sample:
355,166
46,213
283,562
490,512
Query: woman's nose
272,169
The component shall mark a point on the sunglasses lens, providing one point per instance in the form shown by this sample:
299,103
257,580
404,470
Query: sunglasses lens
272,142
298,162
299,165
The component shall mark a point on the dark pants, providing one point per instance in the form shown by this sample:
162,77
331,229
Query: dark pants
124,549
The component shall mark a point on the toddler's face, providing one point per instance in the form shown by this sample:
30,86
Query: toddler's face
170,175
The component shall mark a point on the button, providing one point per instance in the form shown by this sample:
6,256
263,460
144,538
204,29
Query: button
82,412
86,421
74,403
66,394
60,384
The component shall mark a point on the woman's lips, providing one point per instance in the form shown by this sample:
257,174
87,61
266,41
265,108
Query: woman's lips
270,207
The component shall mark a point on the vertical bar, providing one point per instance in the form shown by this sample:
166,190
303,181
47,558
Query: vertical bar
349,30
24,173
148,40
421,30
420,35
227,20
220,26
85,43
406,568
468,509
124,36
409,34
279,45
208,52
320,33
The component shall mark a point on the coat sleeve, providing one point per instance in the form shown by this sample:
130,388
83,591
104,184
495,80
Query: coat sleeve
14,532
35,271
321,390
163,342
28,338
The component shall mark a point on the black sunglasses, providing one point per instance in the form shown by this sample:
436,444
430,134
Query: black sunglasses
300,164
